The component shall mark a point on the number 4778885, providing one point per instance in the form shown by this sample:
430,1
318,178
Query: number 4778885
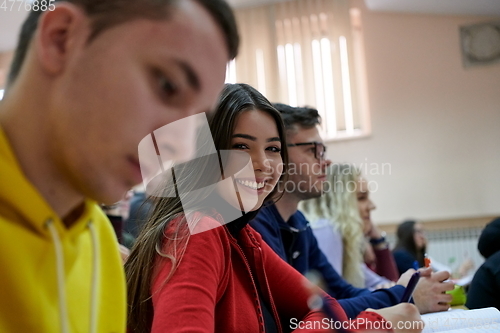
27,5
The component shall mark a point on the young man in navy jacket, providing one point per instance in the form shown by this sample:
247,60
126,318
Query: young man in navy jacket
288,233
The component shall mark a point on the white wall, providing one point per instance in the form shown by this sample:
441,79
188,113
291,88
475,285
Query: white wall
436,123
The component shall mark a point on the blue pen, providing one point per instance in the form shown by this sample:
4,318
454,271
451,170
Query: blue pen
415,265
410,287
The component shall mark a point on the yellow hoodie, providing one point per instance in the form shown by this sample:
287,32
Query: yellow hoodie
55,279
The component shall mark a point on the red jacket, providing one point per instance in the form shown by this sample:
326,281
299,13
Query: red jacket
213,289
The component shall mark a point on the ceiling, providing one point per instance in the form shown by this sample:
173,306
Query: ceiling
10,21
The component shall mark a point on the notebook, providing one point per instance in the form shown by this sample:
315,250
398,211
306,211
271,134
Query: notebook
463,321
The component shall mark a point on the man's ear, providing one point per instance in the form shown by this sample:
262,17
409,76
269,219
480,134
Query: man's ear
60,34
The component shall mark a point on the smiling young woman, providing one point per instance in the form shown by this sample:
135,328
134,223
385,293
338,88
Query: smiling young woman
197,266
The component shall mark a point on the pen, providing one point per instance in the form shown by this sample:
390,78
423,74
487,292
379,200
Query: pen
410,287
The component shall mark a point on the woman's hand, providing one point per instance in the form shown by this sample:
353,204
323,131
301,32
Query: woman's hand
404,317
430,293
374,232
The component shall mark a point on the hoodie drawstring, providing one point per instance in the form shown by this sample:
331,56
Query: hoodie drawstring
95,268
60,277
61,281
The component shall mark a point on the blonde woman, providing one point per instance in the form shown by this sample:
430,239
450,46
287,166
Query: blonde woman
341,222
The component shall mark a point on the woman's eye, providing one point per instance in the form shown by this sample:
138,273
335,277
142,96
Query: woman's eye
167,87
274,149
239,146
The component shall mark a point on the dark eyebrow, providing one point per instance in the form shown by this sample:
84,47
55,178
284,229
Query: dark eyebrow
245,136
192,78
249,137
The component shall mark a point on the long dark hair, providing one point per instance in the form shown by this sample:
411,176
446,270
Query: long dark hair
234,100
406,241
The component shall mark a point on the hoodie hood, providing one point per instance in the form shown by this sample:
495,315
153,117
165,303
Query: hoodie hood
55,278
17,193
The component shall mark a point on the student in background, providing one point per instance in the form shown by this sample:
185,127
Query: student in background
484,290
89,80
288,233
139,210
117,214
341,222
215,274
410,246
